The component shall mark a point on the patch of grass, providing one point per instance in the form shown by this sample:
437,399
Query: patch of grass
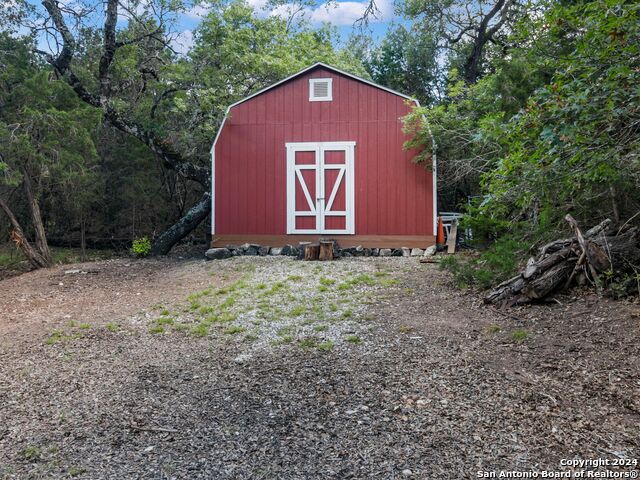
32,453
226,317
180,327
320,328
519,335
354,339
286,330
261,286
282,341
198,295
200,330
405,329
276,288
333,307
297,311
234,329
250,337
388,282
165,321
156,329
165,312
229,302
205,310
58,336
84,326
325,346
493,328
294,278
112,327
327,282
347,313
323,288
381,273
307,343
76,471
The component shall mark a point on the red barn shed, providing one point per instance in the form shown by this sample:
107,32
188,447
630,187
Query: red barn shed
320,154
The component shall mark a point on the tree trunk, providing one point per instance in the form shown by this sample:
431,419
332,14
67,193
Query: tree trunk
36,219
18,236
183,227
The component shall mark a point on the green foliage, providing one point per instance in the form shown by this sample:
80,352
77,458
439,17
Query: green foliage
574,147
407,61
519,335
492,266
141,247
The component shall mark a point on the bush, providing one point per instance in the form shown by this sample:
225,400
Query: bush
141,247
491,267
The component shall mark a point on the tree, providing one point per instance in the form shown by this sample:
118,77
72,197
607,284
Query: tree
576,143
407,60
465,27
45,140
171,103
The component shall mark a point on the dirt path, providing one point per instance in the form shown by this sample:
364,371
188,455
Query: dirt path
276,369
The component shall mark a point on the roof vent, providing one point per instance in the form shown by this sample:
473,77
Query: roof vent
320,90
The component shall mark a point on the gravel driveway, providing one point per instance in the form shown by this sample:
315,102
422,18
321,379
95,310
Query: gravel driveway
271,368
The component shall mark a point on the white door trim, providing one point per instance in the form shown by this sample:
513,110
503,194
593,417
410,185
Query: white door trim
321,208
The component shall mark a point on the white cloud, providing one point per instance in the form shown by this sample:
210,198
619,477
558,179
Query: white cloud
337,13
183,42
198,11
257,4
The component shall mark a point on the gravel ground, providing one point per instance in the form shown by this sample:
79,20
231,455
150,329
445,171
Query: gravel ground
270,368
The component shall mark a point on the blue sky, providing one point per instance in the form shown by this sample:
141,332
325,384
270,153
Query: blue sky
341,14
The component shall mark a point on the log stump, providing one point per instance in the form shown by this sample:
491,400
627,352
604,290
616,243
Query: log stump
326,250
312,251
301,249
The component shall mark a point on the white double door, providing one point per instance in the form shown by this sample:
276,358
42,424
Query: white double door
320,190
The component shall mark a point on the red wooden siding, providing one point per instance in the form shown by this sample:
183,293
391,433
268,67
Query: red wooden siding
392,195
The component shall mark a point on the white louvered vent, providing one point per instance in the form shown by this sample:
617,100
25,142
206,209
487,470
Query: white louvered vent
320,90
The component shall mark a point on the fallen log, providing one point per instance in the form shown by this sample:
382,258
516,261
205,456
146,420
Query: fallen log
594,255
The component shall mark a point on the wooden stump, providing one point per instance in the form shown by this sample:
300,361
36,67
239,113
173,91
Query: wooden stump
302,246
326,250
312,251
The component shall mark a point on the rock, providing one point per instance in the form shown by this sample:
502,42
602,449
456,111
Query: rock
375,252
263,251
244,247
71,272
251,250
286,250
385,252
294,251
275,251
406,252
430,251
406,472
346,253
217,253
417,252
397,252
